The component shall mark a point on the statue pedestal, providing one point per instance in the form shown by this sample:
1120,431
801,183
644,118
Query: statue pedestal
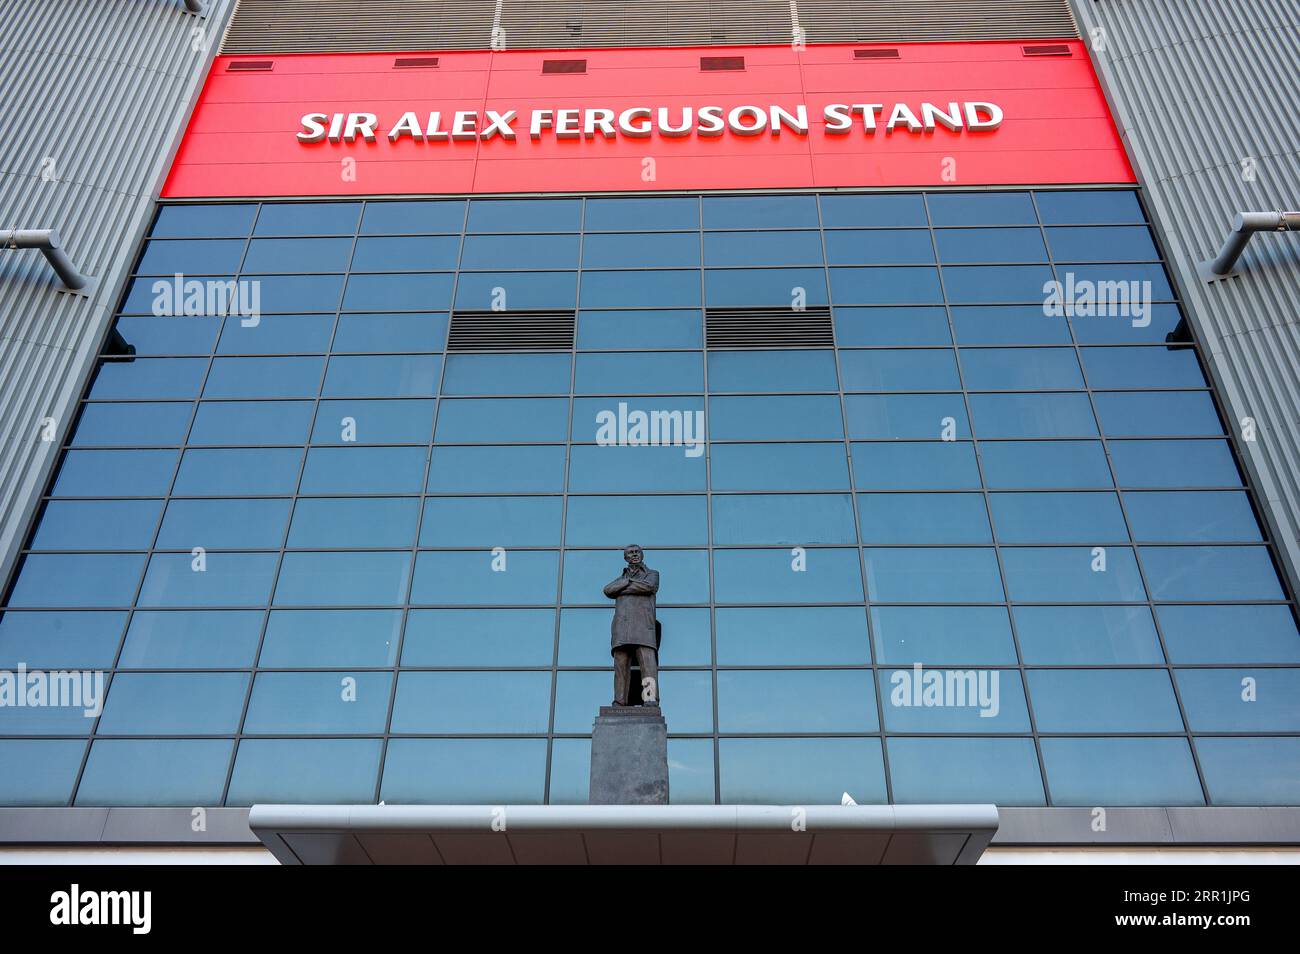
629,756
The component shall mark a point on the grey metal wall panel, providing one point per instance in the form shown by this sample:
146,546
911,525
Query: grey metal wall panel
1207,97
95,96
285,26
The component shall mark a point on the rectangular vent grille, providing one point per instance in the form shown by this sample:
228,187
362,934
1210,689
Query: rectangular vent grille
249,66
769,328
564,66
711,64
415,63
1046,49
876,54
511,331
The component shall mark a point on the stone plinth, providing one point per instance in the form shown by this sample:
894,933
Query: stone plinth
629,756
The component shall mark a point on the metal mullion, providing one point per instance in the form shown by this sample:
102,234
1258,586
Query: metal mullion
988,511
419,516
162,513
279,565
708,505
1119,496
847,440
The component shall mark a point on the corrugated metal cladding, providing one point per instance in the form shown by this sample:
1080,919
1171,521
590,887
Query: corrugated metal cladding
1207,97
94,95
301,26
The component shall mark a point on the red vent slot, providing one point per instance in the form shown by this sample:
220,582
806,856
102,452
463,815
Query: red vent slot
250,66
710,64
564,66
876,54
415,63
1047,49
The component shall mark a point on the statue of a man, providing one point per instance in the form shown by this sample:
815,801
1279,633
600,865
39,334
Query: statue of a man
633,630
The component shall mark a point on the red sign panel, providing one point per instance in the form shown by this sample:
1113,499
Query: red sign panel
636,120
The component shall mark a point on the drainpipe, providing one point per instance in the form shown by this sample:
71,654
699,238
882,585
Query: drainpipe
195,6
51,246
1244,226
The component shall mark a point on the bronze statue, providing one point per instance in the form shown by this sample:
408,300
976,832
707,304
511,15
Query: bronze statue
633,631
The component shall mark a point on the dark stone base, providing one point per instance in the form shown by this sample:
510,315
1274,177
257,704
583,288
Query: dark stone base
629,756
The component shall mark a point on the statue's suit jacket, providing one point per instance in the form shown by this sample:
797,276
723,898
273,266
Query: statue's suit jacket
634,608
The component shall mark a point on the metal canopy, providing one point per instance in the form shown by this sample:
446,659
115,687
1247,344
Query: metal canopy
624,834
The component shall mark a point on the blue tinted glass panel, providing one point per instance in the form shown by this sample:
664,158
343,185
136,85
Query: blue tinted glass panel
398,332
1173,413
921,370
778,467
1142,368
251,422
97,525
1008,325
174,703
990,245
880,247
663,250
1133,294
793,519
157,772
981,208
1132,244
684,575
885,286
412,218
117,425
295,293
808,700
758,371
298,255
66,640
1216,700
481,637
775,287
774,418
1210,573
639,373
351,523
1045,464
923,518
1036,415
520,251
318,703
405,254
477,422
872,211
373,422
464,771
239,472
793,636
938,635
472,702
496,469
760,212
1230,634
248,522
1020,369
101,580
491,522
919,416
927,465
330,638
997,771
480,579
768,576
1192,517
320,771
1089,772
1136,324
1174,464
359,470
1251,771
615,468
891,327
149,335
639,329
398,293
1136,700
228,579
184,221
1058,518
36,772
524,215
148,378
276,334
264,377
621,215
760,248
1087,635
650,521
308,218
902,575
800,771
585,637
1040,574
342,579
192,639
406,375
1088,207
966,284
642,289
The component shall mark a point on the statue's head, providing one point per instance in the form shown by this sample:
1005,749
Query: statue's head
633,555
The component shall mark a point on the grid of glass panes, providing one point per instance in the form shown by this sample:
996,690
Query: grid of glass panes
397,594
